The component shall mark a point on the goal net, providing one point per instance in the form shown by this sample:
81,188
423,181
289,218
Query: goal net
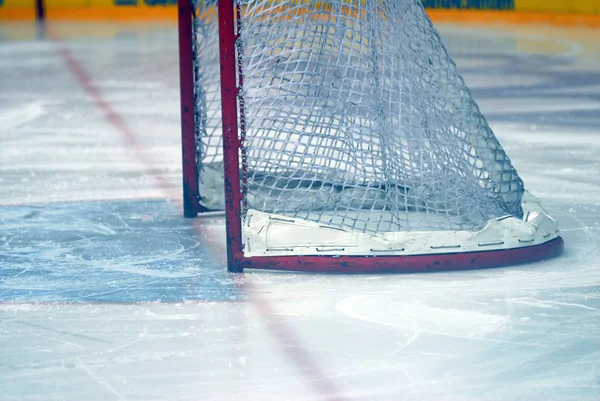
348,131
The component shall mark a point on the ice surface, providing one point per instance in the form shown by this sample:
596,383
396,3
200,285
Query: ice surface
108,294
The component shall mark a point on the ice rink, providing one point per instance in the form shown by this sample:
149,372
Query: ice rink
108,293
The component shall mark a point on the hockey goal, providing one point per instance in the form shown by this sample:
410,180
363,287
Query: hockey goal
339,136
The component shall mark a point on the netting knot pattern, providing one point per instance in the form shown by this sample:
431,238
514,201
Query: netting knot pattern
354,116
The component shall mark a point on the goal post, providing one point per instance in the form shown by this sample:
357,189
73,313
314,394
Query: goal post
338,136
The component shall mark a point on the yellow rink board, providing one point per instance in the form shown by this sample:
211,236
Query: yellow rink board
566,12
563,6
17,9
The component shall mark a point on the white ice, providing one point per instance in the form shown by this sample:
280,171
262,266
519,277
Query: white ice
108,294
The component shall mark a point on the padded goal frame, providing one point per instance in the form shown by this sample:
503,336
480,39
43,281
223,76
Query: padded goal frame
237,261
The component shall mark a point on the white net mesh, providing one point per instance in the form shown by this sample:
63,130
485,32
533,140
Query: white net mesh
353,115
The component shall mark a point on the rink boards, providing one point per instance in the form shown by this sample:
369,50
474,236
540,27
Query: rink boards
526,10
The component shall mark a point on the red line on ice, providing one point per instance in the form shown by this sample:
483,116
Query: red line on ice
315,377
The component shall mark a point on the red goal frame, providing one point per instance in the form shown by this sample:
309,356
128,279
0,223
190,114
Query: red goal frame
232,150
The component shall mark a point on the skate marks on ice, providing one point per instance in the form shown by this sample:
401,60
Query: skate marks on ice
107,251
537,81
534,328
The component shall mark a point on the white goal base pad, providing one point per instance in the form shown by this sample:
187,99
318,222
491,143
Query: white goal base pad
266,234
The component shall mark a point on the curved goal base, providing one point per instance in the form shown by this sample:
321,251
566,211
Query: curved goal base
402,264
